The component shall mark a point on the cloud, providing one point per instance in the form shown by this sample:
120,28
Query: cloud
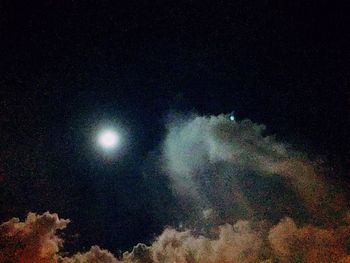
238,243
36,240
210,159
33,239
309,243
94,255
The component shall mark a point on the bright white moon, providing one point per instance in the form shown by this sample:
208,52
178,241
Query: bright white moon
108,139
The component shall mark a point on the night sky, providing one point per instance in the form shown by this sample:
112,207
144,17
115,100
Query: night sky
69,68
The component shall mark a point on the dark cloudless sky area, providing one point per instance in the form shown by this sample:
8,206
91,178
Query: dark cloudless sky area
69,67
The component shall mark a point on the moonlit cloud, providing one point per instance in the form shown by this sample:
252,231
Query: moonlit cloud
212,160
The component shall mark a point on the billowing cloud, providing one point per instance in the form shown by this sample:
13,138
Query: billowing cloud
309,243
94,255
33,240
238,243
36,240
212,160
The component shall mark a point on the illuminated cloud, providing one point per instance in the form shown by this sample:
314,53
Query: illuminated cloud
309,243
211,159
34,240
238,243
94,255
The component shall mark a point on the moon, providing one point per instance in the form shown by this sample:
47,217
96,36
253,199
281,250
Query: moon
108,139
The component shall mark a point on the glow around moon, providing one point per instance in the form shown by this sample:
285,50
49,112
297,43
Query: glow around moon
108,139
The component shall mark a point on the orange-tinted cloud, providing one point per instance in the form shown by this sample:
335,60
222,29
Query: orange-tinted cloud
36,241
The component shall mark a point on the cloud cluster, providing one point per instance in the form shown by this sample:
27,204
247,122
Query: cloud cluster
94,255
243,242
247,196
238,243
309,243
33,240
36,240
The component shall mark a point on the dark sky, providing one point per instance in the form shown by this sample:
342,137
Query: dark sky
68,67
